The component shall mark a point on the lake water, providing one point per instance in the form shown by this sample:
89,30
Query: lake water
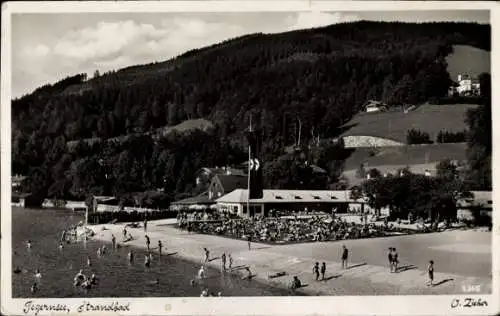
117,278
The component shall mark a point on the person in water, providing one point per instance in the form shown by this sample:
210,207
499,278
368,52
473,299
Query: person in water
113,241
295,283
230,262
201,273
148,241
34,288
130,256
86,284
38,275
93,279
249,275
160,246
89,261
28,244
99,252
79,278
147,261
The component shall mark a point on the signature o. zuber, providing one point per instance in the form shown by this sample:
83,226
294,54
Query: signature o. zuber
31,307
468,302
113,307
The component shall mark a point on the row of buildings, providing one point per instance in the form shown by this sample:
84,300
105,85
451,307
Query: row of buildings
227,192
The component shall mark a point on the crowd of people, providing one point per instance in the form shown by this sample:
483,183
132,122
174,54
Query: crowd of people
282,229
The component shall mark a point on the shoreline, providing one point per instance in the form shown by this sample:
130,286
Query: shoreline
214,263
264,259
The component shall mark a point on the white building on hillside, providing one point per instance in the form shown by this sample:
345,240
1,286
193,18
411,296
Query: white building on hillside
374,106
467,86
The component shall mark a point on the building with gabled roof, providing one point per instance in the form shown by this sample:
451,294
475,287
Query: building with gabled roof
314,200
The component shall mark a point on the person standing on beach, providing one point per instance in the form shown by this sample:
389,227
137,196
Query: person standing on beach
160,246
316,270
223,262
391,259
130,256
207,255
430,273
395,260
113,241
124,232
89,262
148,242
323,270
230,262
249,239
345,256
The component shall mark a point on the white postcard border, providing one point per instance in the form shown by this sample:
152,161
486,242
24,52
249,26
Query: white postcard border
337,305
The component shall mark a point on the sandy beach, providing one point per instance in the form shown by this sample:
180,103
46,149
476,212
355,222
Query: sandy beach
363,276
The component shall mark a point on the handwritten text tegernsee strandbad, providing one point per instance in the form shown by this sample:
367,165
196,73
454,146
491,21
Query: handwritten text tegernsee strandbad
30,307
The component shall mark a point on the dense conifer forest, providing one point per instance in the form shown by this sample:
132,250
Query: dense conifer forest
318,78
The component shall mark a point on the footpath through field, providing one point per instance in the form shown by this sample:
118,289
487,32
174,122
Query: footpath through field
361,278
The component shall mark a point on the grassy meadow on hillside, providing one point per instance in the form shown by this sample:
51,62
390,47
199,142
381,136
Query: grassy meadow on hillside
394,125
406,155
470,60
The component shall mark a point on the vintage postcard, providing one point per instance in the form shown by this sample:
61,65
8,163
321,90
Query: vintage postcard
249,158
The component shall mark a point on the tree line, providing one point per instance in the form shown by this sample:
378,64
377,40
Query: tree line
321,76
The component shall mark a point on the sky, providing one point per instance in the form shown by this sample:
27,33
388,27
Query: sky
48,47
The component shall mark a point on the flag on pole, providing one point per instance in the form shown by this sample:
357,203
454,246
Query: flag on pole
255,165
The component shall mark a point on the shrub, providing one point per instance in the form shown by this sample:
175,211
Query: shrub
450,137
414,137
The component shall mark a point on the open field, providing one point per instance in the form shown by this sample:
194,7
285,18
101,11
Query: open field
394,125
466,59
462,258
405,155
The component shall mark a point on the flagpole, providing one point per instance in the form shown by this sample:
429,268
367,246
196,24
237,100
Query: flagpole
249,166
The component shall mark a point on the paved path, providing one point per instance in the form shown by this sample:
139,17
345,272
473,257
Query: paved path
298,259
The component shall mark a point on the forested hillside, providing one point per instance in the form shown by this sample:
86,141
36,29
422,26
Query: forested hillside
321,76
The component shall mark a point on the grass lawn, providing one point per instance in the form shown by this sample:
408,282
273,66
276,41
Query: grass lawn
394,125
